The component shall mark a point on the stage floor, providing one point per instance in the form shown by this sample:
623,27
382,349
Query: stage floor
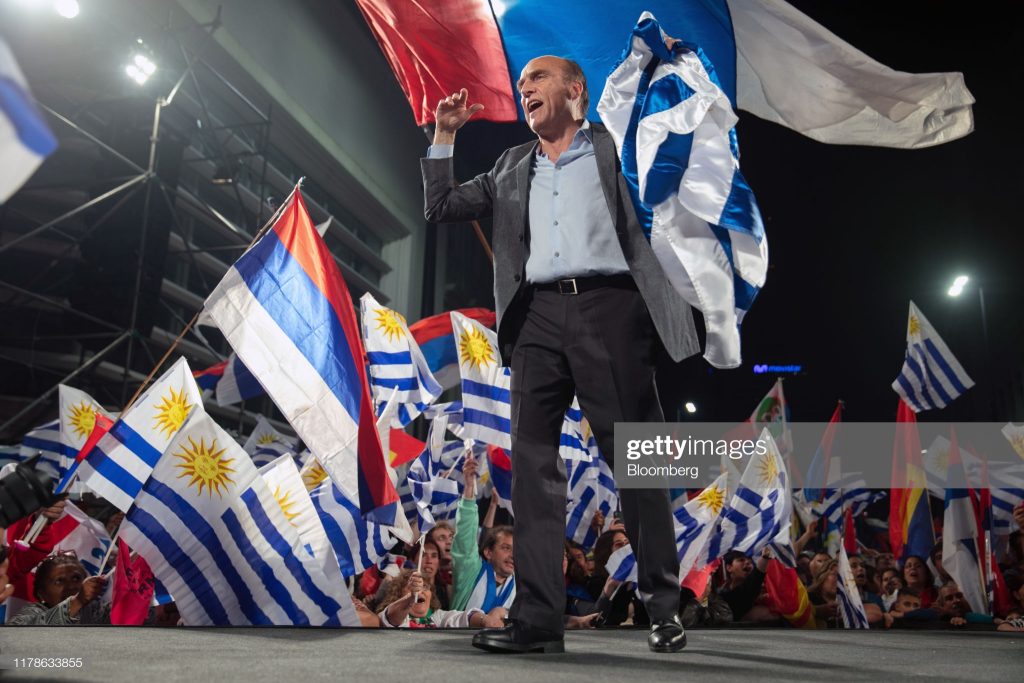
279,655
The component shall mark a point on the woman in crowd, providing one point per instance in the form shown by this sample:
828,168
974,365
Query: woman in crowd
411,603
66,594
823,591
917,576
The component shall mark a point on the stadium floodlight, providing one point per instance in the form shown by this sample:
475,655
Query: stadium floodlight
66,8
141,68
958,285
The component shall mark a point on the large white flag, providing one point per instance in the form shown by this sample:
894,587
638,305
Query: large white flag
25,140
214,534
486,385
121,462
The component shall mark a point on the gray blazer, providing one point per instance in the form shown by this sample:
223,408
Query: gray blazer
503,193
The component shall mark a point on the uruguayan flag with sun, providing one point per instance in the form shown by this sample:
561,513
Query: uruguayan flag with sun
78,411
395,361
486,393
121,462
266,444
695,521
215,535
759,512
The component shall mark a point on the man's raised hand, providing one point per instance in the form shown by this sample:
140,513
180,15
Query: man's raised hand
451,114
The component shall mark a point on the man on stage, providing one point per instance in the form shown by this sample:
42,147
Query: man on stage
582,306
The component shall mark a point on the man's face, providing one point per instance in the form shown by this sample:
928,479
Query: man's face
443,538
431,562
500,556
907,603
891,581
546,95
884,561
951,601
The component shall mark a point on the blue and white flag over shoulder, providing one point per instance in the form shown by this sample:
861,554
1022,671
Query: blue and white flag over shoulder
851,608
25,139
216,537
395,362
931,376
674,129
760,511
266,444
121,462
486,385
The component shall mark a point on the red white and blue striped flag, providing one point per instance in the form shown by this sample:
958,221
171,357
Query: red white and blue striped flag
286,311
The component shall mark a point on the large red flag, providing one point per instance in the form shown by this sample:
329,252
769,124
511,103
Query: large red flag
788,595
133,588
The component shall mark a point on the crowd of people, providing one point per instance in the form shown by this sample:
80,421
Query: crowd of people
462,575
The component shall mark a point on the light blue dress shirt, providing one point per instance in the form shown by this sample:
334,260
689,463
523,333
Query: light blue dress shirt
572,233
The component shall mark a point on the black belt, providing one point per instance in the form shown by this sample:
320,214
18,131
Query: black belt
579,285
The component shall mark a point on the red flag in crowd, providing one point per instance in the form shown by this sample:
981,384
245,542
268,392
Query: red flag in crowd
133,588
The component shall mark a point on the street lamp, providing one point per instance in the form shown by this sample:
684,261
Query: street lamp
691,407
957,288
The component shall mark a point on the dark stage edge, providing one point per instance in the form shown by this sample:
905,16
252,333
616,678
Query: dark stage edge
286,655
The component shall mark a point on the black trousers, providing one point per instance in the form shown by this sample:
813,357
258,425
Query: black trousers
602,345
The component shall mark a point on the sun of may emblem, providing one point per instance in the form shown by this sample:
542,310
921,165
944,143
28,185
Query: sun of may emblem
914,326
206,465
768,469
266,439
314,476
82,418
712,498
474,349
287,504
392,323
172,411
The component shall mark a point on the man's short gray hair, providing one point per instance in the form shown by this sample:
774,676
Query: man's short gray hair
574,73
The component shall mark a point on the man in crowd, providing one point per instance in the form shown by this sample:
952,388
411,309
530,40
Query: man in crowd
487,581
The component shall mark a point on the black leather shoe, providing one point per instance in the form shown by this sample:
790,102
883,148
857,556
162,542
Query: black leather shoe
517,637
667,635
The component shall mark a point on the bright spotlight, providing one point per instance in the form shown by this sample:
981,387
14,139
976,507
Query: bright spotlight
141,68
958,285
690,407
66,8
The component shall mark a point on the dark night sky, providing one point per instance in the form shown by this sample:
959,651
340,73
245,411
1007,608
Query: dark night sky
855,232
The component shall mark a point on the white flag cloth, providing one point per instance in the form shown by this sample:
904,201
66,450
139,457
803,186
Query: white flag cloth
960,542
123,459
486,392
851,608
213,533
265,444
395,362
674,131
760,511
695,522
283,479
931,377
25,140
795,72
